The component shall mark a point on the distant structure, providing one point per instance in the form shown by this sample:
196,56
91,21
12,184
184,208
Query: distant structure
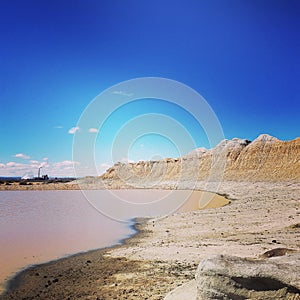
43,177
39,172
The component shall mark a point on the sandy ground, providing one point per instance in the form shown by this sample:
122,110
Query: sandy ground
166,252
260,217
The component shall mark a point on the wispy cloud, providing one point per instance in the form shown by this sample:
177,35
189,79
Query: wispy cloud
58,127
122,93
43,164
13,164
22,155
73,130
93,130
65,163
34,162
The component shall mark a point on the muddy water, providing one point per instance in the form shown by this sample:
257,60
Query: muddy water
38,226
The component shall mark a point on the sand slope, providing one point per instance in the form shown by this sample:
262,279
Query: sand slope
264,159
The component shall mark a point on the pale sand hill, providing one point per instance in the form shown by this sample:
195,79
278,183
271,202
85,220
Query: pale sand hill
265,159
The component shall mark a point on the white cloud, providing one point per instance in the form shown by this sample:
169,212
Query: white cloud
58,127
65,163
34,162
122,93
13,164
43,164
73,129
45,158
22,155
93,130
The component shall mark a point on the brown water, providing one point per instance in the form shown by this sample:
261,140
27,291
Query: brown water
38,226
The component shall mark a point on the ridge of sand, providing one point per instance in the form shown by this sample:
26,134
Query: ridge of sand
266,159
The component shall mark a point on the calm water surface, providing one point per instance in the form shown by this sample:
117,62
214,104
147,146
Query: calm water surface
38,226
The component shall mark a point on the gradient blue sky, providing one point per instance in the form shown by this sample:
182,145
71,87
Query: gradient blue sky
56,56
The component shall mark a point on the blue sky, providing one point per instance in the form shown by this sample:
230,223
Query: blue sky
57,56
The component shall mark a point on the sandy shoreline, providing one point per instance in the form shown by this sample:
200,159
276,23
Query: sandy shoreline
96,275
166,251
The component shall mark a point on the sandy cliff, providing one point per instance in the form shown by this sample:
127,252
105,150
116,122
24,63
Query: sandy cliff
264,159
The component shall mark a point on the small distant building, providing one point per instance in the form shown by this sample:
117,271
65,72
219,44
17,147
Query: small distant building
45,177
